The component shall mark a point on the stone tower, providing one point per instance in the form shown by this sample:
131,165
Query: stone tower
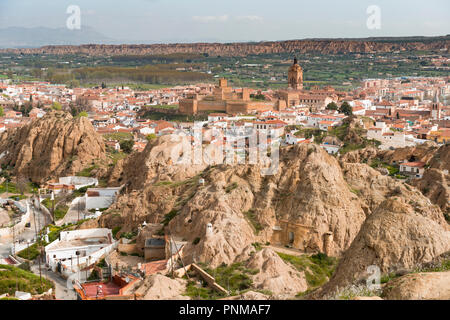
436,108
295,76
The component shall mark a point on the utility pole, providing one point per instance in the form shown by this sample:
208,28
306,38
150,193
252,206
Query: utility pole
14,237
37,241
53,207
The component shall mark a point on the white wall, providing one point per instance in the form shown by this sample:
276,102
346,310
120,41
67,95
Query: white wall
79,182
20,226
98,202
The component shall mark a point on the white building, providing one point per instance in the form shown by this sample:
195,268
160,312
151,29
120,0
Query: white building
330,148
415,169
100,197
292,139
77,249
381,132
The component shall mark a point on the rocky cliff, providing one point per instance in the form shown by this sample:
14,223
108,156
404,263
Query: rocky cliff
52,146
436,179
313,190
345,209
399,235
324,46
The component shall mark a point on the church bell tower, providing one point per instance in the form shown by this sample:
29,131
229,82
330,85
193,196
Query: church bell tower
436,108
295,76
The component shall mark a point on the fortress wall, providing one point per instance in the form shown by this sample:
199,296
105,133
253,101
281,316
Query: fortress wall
212,106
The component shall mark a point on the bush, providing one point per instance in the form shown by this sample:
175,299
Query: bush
235,277
196,241
251,217
127,146
231,187
168,217
318,268
94,276
115,230
129,235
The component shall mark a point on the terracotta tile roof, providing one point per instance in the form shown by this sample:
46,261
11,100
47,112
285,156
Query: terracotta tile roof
414,164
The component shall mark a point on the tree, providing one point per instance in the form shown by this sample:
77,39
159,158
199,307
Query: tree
151,136
346,109
80,105
83,114
21,184
2,112
332,106
127,146
57,106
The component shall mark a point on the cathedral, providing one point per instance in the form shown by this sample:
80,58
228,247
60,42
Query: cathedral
225,99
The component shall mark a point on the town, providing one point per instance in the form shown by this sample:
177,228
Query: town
40,221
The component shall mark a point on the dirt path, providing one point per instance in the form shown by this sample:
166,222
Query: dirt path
292,252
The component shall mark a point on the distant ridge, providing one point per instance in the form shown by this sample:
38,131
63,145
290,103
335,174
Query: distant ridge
21,37
325,46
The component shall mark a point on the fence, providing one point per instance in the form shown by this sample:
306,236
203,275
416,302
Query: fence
67,269
19,225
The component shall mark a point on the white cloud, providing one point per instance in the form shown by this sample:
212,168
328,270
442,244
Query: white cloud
249,18
223,18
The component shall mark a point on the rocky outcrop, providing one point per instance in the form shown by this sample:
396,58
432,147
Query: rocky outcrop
434,185
398,235
52,146
275,275
372,188
163,160
419,286
252,295
423,153
329,199
360,156
324,46
154,183
435,181
309,189
365,216
159,287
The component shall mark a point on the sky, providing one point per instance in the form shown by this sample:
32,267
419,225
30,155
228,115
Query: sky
233,20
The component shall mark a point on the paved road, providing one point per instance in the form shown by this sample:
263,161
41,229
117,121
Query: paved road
28,234
61,291
74,214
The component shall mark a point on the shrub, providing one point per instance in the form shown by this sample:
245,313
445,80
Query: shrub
318,268
94,276
231,187
251,217
168,217
115,230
